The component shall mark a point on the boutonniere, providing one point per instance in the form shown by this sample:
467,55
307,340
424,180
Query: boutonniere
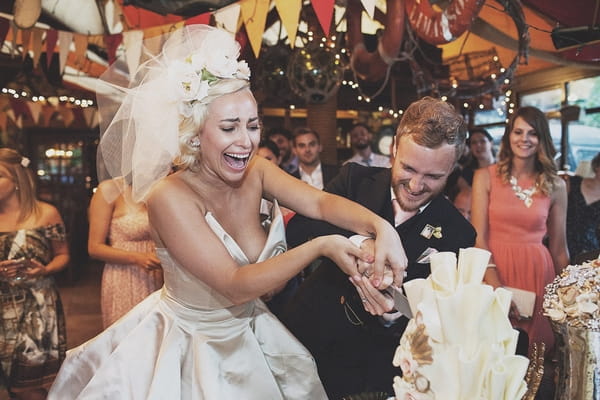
430,230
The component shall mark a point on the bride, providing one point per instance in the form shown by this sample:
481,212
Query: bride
206,334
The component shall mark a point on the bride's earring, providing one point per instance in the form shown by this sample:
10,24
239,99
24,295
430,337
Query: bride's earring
195,142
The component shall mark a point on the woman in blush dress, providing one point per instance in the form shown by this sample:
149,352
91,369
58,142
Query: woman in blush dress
33,247
516,204
207,334
120,236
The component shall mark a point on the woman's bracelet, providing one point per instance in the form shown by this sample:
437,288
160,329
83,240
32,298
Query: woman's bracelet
491,265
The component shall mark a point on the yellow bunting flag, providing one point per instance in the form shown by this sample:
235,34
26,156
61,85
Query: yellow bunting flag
36,46
289,12
81,43
26,35
254,15
64,45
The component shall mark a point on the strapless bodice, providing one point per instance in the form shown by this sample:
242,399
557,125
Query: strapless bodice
186,289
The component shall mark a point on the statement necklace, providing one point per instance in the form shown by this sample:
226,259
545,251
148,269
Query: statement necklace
521,194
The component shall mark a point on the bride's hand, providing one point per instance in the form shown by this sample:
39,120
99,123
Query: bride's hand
388,252
366,269
344,253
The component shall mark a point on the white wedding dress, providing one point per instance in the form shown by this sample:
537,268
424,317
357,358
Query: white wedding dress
186,341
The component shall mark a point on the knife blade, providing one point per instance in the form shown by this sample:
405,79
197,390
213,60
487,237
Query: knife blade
400,301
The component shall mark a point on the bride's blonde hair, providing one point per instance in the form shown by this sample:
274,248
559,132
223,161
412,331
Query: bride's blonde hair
190,126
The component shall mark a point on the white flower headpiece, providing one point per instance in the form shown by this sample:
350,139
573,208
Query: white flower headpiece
216,59
25,162
140,123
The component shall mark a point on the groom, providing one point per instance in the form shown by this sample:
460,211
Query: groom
354,349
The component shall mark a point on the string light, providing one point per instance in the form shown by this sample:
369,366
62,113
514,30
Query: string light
83,103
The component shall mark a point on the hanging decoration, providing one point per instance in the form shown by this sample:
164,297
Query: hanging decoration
27,12
438,26
493,84
316,70
374,66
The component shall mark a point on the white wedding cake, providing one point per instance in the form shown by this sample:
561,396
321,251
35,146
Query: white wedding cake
460,343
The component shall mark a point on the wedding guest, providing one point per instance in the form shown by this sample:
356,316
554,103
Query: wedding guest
206,334
341,327
583,211
361,140
283,139
307,146
119,235
481,153
34,248
517,202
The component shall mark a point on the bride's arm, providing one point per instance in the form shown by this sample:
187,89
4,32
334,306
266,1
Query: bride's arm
339,211
178,223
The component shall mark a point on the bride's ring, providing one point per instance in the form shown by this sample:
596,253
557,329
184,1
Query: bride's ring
366,274
364,300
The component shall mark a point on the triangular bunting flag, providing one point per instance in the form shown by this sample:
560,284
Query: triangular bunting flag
95,119
133,42
47,113
4,26
112,43
81,43
36,38
35,109
26,36
369,6
227,17
15,39
77,116
324,11
3,121
51,38
199,19
289,13
19,107
64,45
67,116
113,16
254,15
88,116
10,114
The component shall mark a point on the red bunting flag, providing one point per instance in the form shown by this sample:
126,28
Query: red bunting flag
324,11
112,44
199,19
51,39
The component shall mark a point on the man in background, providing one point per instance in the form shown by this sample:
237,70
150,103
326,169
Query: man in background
361,139
307,146
283,139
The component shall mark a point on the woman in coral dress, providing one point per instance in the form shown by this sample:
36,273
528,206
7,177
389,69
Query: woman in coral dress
517,204
132,270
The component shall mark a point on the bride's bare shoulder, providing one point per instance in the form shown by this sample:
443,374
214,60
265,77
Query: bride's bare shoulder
173,191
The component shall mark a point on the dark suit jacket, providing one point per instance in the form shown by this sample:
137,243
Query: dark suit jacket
353,349
329,172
